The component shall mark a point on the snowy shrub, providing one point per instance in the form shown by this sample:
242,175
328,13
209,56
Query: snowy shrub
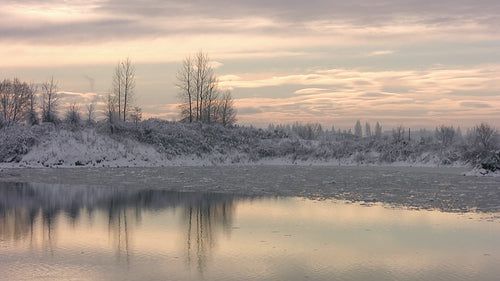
15,141
482,142
492,162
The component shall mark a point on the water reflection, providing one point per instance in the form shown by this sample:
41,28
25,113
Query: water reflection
56,232
32,212
203,221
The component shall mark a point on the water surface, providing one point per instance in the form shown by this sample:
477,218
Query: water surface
62,232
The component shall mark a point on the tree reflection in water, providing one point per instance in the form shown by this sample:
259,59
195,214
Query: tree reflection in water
32,211
205,217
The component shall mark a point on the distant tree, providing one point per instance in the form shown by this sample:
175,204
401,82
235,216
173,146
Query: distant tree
32,117
123,87
398,134
378,130
459,134
14,100
136,115
50,99
225,112
111,108
90,113
73,116
445,135
358,130
485,137
481,143
309,131
368,130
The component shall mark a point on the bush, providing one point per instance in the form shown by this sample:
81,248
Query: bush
15,141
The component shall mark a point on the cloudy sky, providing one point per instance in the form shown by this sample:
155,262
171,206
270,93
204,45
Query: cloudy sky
417,63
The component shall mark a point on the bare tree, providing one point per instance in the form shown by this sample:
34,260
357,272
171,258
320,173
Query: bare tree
123,87
482,142
111,103
226,114
202,74
445,135
117,87
136,115
199,93
50,98
90,113
185,84
210,96
32,116
73,116
485,137
398,134
14,100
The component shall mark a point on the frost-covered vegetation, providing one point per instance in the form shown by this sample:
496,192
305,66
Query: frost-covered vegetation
207,135
157,142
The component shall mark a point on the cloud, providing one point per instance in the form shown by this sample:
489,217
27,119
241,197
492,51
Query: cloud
242,29
380,53
373,95
215,64
308,91
249,110
475,104
427,95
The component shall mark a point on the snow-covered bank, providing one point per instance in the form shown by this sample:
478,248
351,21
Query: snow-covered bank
441,188
157,143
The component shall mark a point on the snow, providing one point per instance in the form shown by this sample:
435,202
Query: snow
479,172
156,143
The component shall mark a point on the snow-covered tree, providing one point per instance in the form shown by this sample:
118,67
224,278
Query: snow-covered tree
485,137
398,134
90,112
368,130
445,135
378,130
358,130
481,142
73,116
136,115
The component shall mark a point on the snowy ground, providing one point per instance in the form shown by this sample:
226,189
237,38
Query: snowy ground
440,188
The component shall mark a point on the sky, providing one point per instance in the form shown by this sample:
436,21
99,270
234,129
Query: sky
416,63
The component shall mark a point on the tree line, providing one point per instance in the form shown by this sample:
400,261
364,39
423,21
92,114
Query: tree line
201,98
18,102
